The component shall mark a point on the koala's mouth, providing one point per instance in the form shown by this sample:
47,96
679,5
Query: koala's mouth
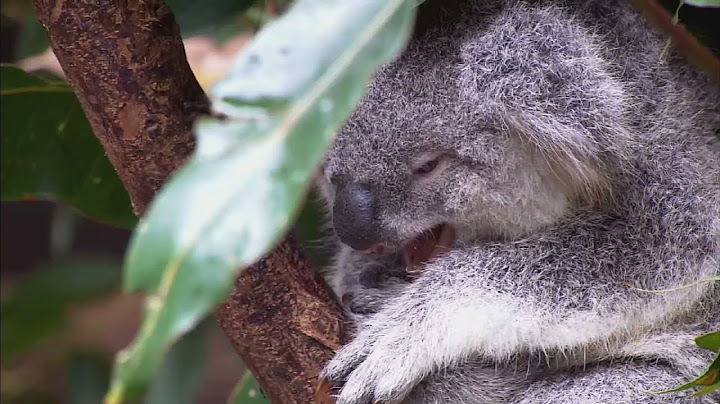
421,249
428,245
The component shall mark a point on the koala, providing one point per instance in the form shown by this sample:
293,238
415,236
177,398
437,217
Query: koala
508,198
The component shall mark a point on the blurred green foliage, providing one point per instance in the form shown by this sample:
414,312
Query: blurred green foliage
248,391
41,108
289,91
49,152
37,307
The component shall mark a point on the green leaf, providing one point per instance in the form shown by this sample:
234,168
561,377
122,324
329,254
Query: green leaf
37,307
177,382
88,375
179,378
49,151
288,93
308,231
703,3
707,389
709,380
33,39
206,17
709,341
247,391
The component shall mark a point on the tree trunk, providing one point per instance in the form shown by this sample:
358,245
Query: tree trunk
126,63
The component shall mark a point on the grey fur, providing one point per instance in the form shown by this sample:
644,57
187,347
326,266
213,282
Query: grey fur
576,167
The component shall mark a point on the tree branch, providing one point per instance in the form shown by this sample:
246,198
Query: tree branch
126,63
694,51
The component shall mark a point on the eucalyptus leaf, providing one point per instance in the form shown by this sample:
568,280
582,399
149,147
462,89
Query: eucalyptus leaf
33,39
179,377
247,391
709,380
288,93
207,17
703,3
177,382
87,377
49,150
709,341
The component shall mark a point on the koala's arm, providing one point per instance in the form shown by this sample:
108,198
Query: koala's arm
570,289
567,287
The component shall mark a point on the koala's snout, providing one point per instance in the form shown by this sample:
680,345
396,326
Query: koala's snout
355,216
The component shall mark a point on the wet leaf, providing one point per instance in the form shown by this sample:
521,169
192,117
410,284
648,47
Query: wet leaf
288,93
49,151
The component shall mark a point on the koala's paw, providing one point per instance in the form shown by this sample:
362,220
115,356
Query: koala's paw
379,365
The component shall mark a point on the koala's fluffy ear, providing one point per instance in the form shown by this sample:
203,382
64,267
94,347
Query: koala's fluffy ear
573,154
546,79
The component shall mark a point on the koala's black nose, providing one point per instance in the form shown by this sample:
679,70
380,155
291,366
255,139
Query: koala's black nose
354,216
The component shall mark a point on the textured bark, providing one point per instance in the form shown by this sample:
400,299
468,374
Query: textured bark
267,311
126,63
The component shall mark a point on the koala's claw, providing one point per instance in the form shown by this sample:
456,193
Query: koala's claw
340,367
372,369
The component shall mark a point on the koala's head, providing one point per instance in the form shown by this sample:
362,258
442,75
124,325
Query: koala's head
492,127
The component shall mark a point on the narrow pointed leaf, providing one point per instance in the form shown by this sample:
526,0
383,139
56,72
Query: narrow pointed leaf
709,341
178,379
708,380
49,150
703,3
288,93
707,389
206,17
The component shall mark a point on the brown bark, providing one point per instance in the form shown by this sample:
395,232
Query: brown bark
694,51
126,63
266,311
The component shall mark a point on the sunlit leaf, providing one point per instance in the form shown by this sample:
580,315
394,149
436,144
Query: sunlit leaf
288,93
49,150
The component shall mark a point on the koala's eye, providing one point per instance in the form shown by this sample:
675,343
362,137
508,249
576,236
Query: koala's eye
427,167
